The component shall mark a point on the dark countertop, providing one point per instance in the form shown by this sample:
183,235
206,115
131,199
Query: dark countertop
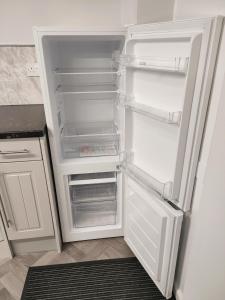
22,121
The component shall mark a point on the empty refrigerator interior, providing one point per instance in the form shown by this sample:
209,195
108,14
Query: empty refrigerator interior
84,80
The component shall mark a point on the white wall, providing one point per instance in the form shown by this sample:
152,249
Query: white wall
18,17
184,9
154,10
146,11
201,265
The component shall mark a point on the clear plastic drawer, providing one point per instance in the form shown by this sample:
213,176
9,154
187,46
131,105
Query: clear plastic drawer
91,214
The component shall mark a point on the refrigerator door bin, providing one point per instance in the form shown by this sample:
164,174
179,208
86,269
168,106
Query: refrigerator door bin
170,64
149,182
170,117
94,214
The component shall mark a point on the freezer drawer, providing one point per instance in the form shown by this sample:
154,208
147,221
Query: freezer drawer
93,192
93,199
91,214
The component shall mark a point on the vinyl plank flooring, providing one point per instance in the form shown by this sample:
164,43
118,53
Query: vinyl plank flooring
45,259
5,295
13,285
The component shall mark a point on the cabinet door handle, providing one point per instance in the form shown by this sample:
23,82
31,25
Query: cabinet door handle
7,220
14,152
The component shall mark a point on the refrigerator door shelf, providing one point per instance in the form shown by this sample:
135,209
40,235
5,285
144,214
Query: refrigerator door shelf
170,117
149,182
170,64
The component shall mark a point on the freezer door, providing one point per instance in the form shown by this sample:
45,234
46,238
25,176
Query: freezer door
165,103
152,231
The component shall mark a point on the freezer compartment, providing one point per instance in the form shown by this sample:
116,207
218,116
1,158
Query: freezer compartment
93,192
93,204
94,214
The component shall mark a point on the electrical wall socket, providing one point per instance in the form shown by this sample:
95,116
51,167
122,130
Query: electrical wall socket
32,70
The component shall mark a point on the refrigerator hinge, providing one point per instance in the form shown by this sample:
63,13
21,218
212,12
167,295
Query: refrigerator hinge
124,158
125,59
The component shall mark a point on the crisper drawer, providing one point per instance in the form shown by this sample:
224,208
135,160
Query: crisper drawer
20,150
90,146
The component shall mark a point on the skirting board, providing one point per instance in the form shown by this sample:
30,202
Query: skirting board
33,245
5,251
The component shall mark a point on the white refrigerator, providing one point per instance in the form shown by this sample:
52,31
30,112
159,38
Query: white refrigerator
125,110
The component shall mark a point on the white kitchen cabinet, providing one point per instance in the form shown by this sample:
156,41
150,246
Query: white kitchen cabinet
5,249
25,200
27,203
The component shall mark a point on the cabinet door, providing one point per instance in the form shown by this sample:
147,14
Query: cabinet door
5,250
25,202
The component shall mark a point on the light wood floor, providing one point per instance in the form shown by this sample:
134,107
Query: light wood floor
13,272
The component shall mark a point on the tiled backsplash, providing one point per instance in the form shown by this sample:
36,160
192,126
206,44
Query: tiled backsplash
15,86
